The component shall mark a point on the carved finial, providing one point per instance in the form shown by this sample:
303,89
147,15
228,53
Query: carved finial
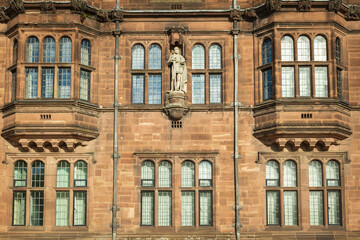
304,5
273,5
334,5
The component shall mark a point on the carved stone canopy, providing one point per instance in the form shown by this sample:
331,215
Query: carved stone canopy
177,37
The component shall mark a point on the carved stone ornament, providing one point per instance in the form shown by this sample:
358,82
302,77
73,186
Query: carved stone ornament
334,5
235,14
273,5
353,12
117,15
102,15
176,35
48,7
304,5
175,105
250,14
17,6
3,16
79,5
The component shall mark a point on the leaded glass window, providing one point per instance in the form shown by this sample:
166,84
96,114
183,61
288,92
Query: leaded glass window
147,174
290,208
37,208
320,49
304,81
198,57
339,83
79,208
273,207
154,89
332,173
37,174
267,84
19,203
288,83
138,57
334,213
49,50
165,174
338,50
155,57
315,174
147,208
316,208
164,209
188,174
137,88
215,88
85,52
198,88
266,50
32,50
20,174
80,174
321,81
65,50
47,83
272,174
289,174
31,82
64,81
303,47
205,174
287,49
63,174
188,208
205,208
215,56
15,52
85,85
62,208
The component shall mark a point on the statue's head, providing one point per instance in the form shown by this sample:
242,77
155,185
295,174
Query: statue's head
176,50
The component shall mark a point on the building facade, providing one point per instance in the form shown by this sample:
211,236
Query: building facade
175,119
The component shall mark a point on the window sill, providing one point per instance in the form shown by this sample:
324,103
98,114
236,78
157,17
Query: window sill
282,228
26,228
70,228
327,228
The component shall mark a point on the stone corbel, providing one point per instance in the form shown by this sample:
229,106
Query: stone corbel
304,5
175,107
334,5
23,145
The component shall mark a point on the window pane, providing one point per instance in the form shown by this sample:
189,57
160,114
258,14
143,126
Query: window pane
79,208
165,174
49,50
289,174
321,82
215,88
288,88
147,208
267,84
80,174
85,85
290,208
31,85
187,208
20,173
304,81
272,174
137,88
15,51
198,88
332,173
273,207
339,83
316,208
36,208
32,50
320,49
338,51
63,174
65,50
64,82
155,57
164,209
147,174
205,174
334,208
85,52
198,57
188,174
62,208
19,208
205,205
215,56
37,174
155,89
13,85
266,51
138,57
303,45
287,49
47,86
315,174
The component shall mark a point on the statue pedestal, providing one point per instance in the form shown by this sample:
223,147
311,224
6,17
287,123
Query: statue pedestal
175,105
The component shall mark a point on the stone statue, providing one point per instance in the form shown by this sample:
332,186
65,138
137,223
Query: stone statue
178,71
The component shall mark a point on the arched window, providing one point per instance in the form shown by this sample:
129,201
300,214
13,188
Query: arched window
155,57
138,57
315,174
20,174
49,50
63,174
15,51
215,56
37,174
303,48
32,50
287,49
85,52
332,173
266,50
188,174
147,174
165,174
198,57
205,174
272,174
338,50
65,50
80,174
289,174
320,49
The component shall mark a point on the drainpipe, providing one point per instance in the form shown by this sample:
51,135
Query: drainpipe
116,155
236,104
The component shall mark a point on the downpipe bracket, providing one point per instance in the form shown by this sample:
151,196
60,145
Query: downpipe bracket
117,208
117,156
237,156
239,207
